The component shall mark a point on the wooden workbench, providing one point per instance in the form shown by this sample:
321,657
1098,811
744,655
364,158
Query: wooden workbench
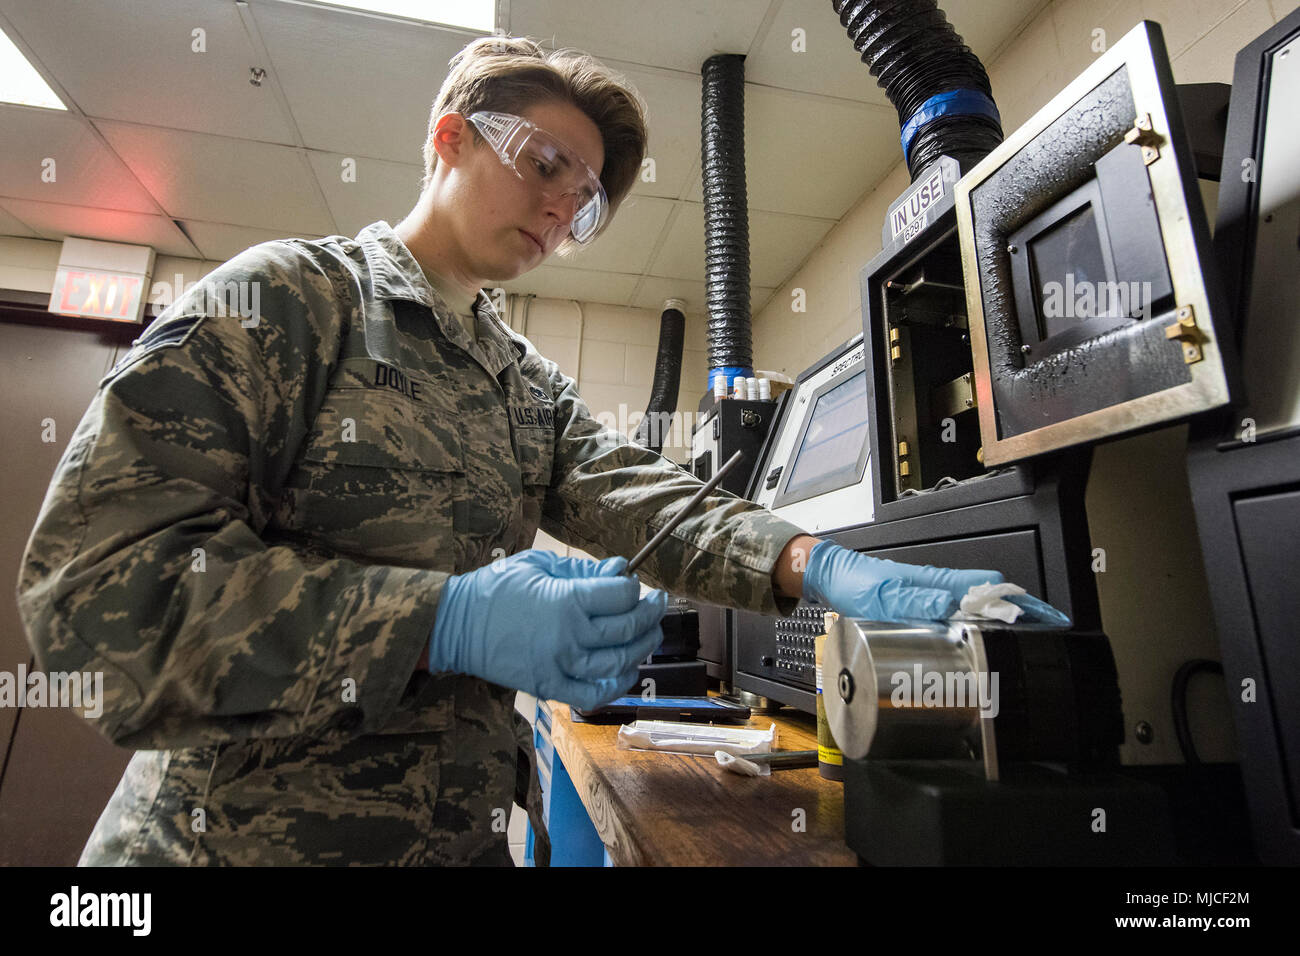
657,809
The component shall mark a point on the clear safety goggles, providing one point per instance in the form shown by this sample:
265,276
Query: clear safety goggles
550,167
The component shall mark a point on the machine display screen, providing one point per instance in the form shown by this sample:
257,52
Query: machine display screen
837,430
1065,256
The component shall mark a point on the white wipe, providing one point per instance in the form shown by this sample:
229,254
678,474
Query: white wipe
985,600
746,768
687,738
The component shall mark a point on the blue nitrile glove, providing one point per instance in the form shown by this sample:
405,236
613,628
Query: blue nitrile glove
559,628
1037,611
858,585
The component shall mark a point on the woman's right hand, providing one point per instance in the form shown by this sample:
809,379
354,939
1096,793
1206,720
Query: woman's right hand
560,628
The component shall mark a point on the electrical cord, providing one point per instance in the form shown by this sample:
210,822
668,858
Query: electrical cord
947,481
1182,678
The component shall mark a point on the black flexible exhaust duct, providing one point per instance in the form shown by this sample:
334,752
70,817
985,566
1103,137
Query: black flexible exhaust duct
668,377
939,87
726,217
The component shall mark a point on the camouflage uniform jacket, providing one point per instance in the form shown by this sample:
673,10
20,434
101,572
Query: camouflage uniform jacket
250,529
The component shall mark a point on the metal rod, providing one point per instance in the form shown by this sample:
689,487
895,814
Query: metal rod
785,759
691,505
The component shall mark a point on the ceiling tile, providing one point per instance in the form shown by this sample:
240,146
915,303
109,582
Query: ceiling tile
677,34
85,171
759,298
357,85
586,285
673,116
988,25
777,245
812,156
11,226
829,66
219,241
380,190
217,179
135,61
626,245
682,254
654,289
58,221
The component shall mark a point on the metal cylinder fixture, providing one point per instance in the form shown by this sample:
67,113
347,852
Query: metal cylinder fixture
954,689
901,691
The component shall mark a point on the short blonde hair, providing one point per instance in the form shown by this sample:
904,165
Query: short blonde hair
510,74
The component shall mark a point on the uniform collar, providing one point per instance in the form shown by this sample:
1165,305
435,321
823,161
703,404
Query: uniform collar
396,275
499,347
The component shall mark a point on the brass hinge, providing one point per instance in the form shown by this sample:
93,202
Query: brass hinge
904,469
1185,330
895,345
1144,134
953,398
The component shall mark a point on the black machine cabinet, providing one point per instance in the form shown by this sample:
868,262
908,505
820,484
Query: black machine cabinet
922,409
715,640
727,426
1244,466
735,425
1247,501
939,813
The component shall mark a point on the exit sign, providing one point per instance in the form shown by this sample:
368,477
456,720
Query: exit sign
102,280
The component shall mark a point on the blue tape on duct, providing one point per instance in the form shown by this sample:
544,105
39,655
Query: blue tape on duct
952,103
729,373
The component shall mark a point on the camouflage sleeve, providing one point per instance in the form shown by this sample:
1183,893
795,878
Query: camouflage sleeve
609,496
147,562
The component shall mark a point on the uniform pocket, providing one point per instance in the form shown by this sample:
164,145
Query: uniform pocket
295,801
383,479
376,427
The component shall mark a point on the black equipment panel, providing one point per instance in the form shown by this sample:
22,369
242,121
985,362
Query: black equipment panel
1245,491
1032,540
1274,593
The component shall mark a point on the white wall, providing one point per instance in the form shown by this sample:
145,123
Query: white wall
611,352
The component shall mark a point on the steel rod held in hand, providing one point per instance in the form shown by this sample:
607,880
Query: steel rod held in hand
691,505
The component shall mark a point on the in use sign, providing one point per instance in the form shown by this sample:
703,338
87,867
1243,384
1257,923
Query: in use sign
908,217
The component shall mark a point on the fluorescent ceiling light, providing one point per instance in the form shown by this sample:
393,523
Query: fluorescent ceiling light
474,14
19,81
